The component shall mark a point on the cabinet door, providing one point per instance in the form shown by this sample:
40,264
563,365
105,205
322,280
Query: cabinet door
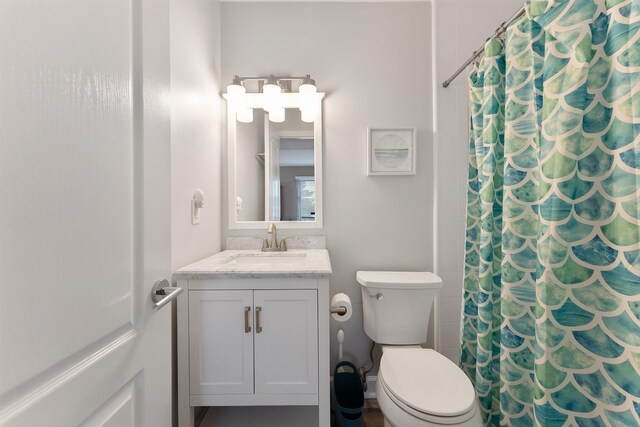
221,342
286,342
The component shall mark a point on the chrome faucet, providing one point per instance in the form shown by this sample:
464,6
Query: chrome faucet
273,246
274,236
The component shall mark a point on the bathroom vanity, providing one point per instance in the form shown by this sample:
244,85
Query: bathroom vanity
253,330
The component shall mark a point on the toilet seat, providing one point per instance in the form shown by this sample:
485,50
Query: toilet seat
427,385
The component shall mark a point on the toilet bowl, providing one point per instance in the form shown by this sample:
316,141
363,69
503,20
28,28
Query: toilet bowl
416,387
419,387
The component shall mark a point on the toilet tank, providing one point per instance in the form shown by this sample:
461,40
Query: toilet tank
396,305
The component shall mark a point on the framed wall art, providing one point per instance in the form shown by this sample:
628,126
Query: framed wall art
391,151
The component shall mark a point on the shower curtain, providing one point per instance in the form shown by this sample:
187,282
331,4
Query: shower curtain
551,311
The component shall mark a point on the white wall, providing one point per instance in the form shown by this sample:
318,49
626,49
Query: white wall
373,62
196,129
460,26
195,134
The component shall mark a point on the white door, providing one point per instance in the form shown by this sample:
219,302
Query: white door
84,212
286,342
221,342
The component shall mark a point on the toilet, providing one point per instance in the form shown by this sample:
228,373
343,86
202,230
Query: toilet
416,387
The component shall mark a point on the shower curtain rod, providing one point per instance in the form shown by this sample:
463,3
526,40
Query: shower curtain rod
501,29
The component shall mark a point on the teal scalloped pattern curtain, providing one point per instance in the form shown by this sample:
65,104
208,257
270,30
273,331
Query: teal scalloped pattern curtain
551,322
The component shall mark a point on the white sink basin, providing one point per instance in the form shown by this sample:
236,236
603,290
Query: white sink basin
270,258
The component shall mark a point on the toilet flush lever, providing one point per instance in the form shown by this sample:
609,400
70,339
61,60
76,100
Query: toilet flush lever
377,296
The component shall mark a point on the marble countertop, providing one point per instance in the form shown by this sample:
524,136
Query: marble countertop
254,264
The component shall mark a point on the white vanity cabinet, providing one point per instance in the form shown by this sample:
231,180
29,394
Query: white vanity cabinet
262,342
220,349
286,343
254,335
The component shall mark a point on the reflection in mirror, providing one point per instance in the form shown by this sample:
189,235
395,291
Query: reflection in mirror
289,166
250,169
275,169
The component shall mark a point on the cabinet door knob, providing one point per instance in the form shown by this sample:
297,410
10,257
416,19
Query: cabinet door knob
247,327
258,326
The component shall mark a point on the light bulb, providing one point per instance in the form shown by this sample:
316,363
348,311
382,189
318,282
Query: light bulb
235,94
308,89
307,92
277,115
245,115
308,100
271,91
308,115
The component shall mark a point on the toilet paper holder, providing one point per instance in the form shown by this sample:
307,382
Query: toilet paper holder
340,307
339,310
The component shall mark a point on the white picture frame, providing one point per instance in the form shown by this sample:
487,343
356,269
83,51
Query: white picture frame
391,151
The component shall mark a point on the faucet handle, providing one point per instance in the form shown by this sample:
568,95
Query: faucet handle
265,244
283,242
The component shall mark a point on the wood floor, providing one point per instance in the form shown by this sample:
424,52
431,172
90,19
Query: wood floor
372,414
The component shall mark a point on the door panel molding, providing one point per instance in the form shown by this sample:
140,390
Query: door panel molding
48,390
123,409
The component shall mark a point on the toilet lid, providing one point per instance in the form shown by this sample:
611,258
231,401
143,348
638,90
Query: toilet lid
399,279
427,382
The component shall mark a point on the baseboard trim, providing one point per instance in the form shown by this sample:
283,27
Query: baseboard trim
371,387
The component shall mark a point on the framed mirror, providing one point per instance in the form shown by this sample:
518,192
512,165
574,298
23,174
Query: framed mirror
274,169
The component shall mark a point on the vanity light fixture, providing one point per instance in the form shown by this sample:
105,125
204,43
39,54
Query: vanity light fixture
308,100
244,115
235,97
273,89
277,115
235,91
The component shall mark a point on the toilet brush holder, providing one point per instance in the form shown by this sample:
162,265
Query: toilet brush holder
349,396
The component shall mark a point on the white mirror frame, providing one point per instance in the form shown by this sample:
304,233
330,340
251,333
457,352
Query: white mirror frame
255,101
